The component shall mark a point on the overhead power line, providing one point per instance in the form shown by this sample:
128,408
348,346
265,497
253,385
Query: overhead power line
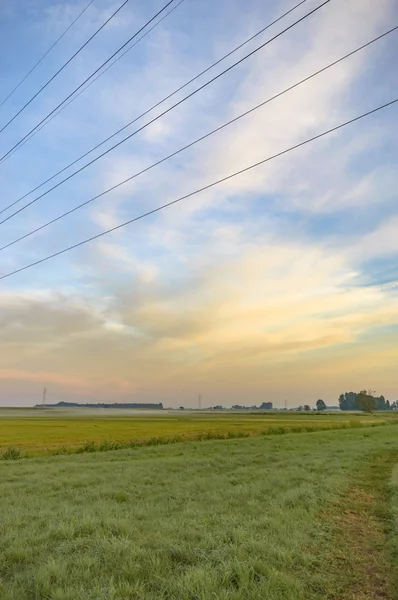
46,53
89,85
89,77
202,189
200,139
149,109
164,112
63,67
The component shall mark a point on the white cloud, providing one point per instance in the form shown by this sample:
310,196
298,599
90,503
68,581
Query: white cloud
123,260
378,243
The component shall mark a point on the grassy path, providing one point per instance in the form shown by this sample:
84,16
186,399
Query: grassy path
365,529
393,546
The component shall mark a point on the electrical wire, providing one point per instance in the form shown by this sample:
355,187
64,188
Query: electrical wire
86,88
88,78
152,107
63,67
163,113
46,53
198,191
200,139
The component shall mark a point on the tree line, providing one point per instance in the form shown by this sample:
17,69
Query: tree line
365,400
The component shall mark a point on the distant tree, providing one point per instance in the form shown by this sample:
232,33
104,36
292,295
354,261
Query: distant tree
266,406
355,401
348,401
182,408
300,408
381,403
342,402
307,407
388,407
367,401
320,405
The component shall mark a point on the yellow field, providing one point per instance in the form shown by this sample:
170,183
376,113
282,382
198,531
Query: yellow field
50,430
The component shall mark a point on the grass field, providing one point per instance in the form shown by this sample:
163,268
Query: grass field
49,431
292,517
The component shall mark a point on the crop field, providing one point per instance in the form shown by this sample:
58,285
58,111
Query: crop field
49,431
309,516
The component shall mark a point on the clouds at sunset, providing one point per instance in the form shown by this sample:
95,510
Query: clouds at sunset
280,283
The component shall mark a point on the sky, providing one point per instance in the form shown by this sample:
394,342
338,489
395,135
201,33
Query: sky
280,284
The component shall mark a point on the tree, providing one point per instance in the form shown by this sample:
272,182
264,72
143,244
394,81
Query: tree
388,407
320,405
300,408
367,401
355,401
348,401
266,406
307,407
381,403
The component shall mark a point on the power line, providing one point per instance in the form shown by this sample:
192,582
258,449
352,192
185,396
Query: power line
90,77
86,88
46,53
202,189
207,135
63,67
163,113
152,107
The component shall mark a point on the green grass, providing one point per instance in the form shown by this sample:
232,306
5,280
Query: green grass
394,532
48,432
247,519
364,558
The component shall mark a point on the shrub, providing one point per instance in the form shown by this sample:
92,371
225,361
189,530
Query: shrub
12,453
88,446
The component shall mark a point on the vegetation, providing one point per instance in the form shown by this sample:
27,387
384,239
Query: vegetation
263,406
49,434
366,536
394,532
320,405
367,401
250,518
364,400
118,405
12,453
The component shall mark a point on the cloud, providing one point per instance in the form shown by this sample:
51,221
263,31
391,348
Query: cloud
44,318
119,258
252,287
248,315
382,241
59,16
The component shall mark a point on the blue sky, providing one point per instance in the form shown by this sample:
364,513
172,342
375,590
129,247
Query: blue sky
280,283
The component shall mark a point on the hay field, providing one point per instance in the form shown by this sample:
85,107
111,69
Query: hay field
38,432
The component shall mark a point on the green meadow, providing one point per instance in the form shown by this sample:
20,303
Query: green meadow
299,516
